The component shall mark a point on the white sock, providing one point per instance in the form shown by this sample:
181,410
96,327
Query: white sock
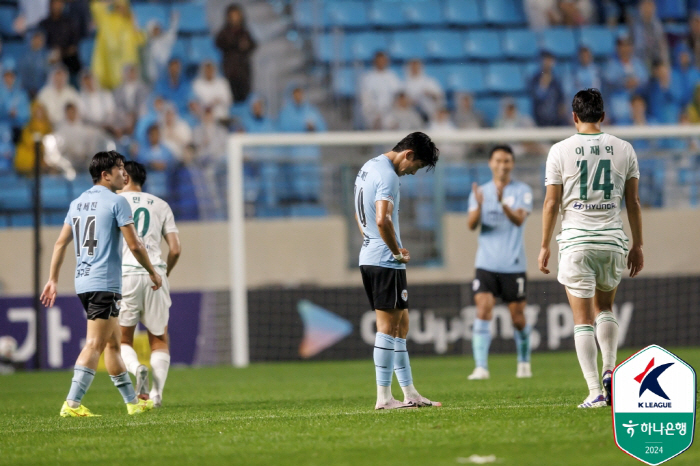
160,362
409,391
131,360
383,394
587,352
606,330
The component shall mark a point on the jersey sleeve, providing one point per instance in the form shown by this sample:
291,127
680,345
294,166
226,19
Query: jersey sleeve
122,212
633,167
524,199
553,170
69,217
169,222
387,188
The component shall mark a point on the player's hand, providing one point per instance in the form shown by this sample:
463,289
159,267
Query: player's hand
157,281
635,260
543,260
478,195
406,255
48,296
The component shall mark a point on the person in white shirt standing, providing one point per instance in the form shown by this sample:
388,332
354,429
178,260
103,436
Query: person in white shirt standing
378,90
423,90
154,221
587,177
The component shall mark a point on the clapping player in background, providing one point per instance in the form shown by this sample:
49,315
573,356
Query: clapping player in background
500,207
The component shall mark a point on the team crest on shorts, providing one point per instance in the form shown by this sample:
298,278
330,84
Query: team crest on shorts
404,295
476,284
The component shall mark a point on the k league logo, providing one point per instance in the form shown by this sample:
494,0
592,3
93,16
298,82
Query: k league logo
653,402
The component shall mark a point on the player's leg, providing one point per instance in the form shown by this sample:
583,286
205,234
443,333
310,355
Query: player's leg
132,306
387,326
131,360
402,366
155,317
521,333
160,363
481,333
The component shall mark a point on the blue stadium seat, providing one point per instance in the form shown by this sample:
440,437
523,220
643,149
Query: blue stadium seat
443,45
466,78
157,184
145,12
203,48
559,41
85,49
55,193
181,50
80,184
489,107
406,45
483,45
16,197
671,9
364,45
504,77
352,14
385,14
193,19
344,82
7,17
21,220
305,181
438,71
331,47
306,16
600,40
457,179
524,105
14,50
651,187
4,221
503,12
463,12
424,13
307,210
520,44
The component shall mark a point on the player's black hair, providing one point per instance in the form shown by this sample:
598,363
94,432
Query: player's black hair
422,146
504,148
104,162
136,171
588,105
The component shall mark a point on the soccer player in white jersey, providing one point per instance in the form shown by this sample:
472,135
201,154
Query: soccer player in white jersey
383,262
500,207
587,177
154,222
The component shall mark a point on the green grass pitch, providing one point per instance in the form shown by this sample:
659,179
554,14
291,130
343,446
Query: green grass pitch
321,413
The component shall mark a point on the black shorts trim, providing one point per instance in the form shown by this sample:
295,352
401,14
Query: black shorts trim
510,287
386,288
100,304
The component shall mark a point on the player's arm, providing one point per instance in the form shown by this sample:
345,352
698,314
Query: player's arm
386,229
48,296
174,250
139,251
552,200
635,258
474,216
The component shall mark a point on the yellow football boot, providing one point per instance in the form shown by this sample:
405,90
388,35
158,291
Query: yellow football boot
80,411
141,407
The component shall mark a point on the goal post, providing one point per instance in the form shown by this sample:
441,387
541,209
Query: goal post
240,352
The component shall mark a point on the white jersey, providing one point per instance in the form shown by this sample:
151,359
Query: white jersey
153,219
593,169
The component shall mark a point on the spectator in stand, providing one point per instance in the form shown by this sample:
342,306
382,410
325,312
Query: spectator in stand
650,42
664,97
62,37
257,121
237,46
694,36
117,43
547,95
210,138
465,115
130,98
423,90
693,109
684,74
7,149
176,133
194,112
14,102
212,90
442,122
511,118
77,141
299,116
159,46
378,89
623,76
576,12
542,14
31,12
33,67
174,86
638,117
97,105
154,114
154,154
403,116
38,123
584,75
57,93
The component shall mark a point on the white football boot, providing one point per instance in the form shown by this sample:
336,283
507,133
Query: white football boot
524,370
479,374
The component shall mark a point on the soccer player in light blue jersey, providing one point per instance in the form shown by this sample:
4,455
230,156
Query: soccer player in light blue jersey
500,207
383,262
96,221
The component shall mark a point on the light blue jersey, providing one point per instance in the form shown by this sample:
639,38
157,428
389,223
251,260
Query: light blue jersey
96,217
501,247
377,181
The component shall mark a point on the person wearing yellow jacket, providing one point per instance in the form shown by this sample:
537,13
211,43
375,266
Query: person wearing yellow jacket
117,43
25,156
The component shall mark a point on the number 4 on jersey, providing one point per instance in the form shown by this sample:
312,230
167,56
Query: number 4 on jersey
602,171
90,242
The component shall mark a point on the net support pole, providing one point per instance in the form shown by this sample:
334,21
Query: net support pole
36,211
236,220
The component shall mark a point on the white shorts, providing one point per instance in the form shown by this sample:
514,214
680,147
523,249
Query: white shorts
582,272
141,303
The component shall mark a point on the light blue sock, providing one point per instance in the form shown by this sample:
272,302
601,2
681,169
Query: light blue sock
402,366
522,343
481,340
384,358
82,378
123,384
